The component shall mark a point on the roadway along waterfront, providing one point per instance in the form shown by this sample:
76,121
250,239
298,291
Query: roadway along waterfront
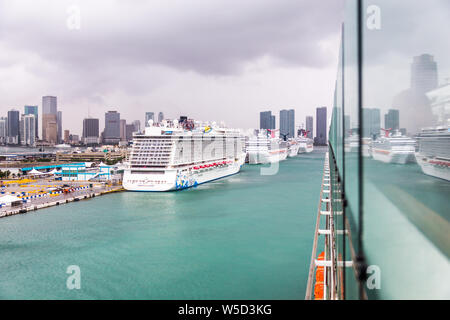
242,237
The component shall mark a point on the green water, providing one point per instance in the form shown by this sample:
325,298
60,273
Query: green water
244,237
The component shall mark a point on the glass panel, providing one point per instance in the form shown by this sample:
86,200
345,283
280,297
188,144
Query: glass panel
406,168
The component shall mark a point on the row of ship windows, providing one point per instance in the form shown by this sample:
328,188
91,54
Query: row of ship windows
146,181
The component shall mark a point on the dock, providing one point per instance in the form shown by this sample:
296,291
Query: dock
55,198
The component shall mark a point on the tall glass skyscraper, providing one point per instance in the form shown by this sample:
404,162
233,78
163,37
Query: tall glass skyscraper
266,120
49,119
13,127
310,126
321,126
34,111
112,127
424,74
287,123
148,116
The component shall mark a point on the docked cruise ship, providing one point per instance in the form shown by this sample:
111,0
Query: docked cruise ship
170,157
394,148
262,149
433,155
293,147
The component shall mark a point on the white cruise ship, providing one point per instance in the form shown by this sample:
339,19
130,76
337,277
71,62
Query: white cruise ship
433,155
169,157
262,149
394,148
306,145
293,147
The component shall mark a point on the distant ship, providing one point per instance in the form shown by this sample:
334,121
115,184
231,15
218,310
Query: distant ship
433,155
306,144
264,149
171,157
293,147
394,148
63,146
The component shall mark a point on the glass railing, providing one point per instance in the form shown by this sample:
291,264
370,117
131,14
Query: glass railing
390,150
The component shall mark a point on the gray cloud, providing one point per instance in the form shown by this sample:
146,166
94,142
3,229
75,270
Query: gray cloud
131,48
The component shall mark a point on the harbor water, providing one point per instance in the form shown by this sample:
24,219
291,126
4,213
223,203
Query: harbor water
242,237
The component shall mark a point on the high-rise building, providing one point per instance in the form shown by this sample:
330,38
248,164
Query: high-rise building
91,131
59,121
66,136
13,125
50,128
3,129
148,116
266,120
287,123
160,117
371,122
123,129
321,126
49,109
424,75
309,126
34,110
111,134
129,129
137,126
27,130
392,120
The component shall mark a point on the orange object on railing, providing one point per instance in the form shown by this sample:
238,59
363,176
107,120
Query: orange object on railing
318,291
321,256
319,274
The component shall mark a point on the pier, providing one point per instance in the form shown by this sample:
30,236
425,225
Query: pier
41,195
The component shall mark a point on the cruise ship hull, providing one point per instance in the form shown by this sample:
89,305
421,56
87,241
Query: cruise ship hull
293,150
173,179
399,157
264,157
305,147
434,167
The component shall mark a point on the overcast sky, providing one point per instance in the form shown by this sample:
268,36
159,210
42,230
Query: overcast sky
210,60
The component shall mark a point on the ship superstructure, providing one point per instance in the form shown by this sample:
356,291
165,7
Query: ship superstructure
169,157
433,155
263,148
394,148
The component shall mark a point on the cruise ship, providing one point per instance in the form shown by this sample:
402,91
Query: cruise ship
293,147
394,148
262,149
306,144
171,157
433,155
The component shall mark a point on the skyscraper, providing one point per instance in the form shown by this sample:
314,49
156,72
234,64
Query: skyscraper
123,129
27,130
66,136
160,117
111,134
59,129
424,75
392,120
371,122
129,129
3,129
13,126
34,110
137,126
287,123
148,116
266,120
49,117
321,126
309,126
90,134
